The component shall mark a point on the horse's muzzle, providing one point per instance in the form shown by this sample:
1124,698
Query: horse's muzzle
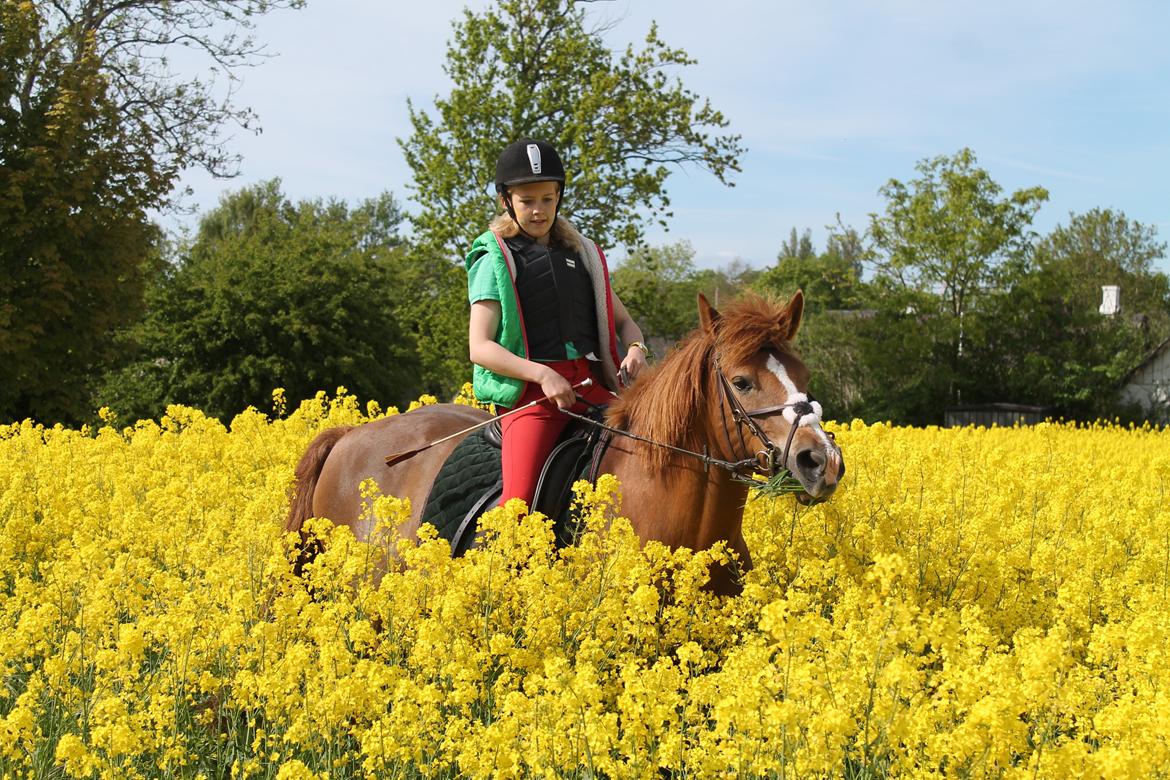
818,465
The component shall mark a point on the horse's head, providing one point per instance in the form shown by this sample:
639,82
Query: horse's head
762,387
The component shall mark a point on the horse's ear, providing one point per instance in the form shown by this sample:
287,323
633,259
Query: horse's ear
793,314
707,314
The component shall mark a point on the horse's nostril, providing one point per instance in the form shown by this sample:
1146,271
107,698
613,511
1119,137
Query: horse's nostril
809,460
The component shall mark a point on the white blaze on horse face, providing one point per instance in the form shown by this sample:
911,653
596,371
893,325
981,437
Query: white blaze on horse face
795,396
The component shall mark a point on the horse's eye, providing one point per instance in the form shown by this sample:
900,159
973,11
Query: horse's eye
741,384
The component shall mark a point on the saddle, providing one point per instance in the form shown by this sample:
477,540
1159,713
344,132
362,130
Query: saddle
470,482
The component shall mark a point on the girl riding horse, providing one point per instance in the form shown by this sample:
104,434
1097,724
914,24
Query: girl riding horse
543,316
729,401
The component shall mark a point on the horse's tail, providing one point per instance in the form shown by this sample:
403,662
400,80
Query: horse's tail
308,471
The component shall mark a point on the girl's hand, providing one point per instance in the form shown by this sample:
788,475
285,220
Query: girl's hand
633,364
557,389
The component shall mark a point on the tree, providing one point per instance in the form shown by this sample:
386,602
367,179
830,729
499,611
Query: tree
798,247
171,121
659,287
1102,247
303,296
73,236
835,322
831,280
93,130
437,310
726,282
1048,344
944,235
846,243
533,68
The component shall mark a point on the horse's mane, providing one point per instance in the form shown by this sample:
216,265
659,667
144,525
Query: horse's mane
667,400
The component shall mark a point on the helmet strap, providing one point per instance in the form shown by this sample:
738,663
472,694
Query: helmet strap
512,212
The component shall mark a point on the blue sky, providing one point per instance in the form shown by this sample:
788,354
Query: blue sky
832,100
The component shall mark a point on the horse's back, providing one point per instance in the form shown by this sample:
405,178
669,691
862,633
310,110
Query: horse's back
361,455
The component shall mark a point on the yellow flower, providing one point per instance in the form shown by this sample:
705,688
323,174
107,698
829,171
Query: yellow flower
295,770
971,602
75,756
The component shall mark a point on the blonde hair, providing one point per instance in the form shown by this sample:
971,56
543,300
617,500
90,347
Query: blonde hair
563,233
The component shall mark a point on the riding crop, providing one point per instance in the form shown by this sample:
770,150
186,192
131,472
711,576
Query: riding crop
392,459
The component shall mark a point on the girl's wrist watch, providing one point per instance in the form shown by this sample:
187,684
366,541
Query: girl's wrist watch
645,349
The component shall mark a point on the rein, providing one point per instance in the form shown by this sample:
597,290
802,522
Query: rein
763,461
735,467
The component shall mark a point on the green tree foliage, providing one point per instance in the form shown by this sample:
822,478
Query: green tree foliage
947,231
94,127
73,237
835,297
831,280
171,122
1048,344
534,68
659,286
876,363
1035,335
437,310
902,376
799,247
944,236
1104,247
727,281
305,296
828,345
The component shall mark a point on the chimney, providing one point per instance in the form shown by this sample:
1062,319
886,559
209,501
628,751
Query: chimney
1110,300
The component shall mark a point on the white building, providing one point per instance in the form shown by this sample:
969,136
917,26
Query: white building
1148,385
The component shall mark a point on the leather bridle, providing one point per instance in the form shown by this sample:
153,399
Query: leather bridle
765,460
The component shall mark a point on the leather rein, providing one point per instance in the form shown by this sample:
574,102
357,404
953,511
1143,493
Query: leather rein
764,462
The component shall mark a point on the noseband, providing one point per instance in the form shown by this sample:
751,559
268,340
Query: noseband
764,461
794,411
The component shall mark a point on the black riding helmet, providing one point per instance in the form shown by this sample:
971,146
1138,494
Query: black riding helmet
527,161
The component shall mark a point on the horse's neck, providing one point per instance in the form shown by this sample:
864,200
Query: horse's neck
683,504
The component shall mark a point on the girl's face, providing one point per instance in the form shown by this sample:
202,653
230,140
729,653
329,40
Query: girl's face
535,205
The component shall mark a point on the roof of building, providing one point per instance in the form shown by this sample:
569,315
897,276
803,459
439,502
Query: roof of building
1147,360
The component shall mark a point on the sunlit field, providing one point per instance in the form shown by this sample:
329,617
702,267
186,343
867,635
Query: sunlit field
971,603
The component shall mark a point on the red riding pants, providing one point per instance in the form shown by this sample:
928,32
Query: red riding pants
530,435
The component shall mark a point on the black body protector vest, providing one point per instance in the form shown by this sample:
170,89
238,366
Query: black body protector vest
556,298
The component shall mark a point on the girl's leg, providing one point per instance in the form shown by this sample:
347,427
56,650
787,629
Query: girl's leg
528,438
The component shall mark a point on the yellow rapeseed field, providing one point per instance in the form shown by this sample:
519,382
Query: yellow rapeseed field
971,603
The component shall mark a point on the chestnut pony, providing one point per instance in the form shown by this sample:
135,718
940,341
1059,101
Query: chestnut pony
731,395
